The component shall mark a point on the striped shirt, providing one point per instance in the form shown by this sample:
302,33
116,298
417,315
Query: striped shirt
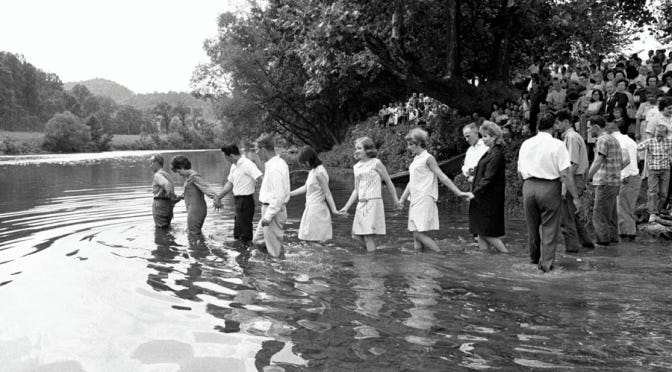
658,152
609,173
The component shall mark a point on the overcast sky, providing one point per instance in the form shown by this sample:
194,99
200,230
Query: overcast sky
145,45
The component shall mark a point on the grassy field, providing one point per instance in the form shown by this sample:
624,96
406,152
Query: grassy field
34,139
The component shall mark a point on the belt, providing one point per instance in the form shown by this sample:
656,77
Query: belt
542,179
364,200
243,196
161,198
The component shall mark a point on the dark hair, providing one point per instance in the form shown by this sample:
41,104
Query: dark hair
563,115
599,91
309,155
598,120
652,76
545,121
180,162
158,159
664,102
265,141
230,149
368,145
621,81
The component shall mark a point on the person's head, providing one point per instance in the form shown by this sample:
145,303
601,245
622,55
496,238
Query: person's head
619,75
650,53
597,77
609,87
365,148
660,132
563,120
651,95
557,84
180,164
652,81
470,132
417,140
308,156
597,124
583,79
665,106
264,146
596,96
656,67
492,134
231,152
667,79
617,112
643,70
621,85
156,162
525,95
545,122
610,75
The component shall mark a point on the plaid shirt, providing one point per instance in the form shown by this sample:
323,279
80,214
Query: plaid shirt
658,153
609,173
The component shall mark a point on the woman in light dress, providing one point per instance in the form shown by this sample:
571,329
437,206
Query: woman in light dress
423,190
316,219
370,213
194,189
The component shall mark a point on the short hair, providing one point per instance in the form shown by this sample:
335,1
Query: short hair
598,120
230,149
470,126
664,102
368,146
621,81
492,130
158,159
180,162
309,155
418,136
545,121
599,91
563,115
265,141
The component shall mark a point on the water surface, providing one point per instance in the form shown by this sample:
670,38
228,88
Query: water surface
88,284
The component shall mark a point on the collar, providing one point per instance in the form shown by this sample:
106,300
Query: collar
544,133
565,133
479,143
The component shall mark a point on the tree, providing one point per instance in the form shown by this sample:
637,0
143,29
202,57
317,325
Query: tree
163,111
65,133
128,120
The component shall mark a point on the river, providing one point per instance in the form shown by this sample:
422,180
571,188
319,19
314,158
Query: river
87,284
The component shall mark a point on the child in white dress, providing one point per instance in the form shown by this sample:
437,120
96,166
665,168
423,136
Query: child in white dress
316,219
423,189
370,212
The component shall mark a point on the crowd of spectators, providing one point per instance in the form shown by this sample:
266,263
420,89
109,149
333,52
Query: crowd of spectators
418,110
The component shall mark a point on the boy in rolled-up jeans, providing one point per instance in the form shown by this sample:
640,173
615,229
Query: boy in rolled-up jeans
659,150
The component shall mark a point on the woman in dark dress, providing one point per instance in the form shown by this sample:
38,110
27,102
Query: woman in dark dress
486,207
194,190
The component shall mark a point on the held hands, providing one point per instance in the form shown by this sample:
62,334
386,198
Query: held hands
467,195
343,211
217,204
400,205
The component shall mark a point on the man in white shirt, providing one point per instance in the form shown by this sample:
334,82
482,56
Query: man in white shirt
662,117
242,180
273,196
543,164
163,192
475,151
629,189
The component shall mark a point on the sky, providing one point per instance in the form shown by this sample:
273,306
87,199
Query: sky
146,45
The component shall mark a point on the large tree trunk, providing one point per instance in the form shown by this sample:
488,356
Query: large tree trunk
452,63
501,52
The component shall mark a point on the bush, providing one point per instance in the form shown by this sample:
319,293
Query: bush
65,132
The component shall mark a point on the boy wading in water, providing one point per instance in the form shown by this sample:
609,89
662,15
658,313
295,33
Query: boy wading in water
423,190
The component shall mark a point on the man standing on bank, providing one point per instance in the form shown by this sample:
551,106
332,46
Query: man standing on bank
242,180
543,162
273,195
573,227
164,193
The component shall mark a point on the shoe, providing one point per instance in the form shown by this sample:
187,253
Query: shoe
632,237
571,251
588,246
603,244
623,236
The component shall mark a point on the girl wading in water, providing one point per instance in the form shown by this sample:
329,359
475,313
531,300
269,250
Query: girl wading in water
423,190
370,213
316,219
194,189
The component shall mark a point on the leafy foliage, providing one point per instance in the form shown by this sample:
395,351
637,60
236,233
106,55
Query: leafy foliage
65,133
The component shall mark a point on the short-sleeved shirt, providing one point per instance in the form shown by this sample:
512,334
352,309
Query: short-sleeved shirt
658,153
243,175
578,153
629,145
609,173
543,157
657,118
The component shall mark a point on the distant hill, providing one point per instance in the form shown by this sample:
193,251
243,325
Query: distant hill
104,87
124,96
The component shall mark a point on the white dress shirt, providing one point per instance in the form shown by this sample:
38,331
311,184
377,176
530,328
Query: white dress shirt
542,156
274,189
243,176
629,145
474,154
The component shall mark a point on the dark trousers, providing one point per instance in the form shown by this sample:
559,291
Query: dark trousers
605,214
242,225
573,227
542,201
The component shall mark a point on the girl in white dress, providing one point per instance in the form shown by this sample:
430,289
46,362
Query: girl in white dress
316,219
423,189
370,212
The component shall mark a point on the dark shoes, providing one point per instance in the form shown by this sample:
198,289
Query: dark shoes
628,237
589,246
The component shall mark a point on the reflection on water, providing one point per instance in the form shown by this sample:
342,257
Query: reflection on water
88,284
